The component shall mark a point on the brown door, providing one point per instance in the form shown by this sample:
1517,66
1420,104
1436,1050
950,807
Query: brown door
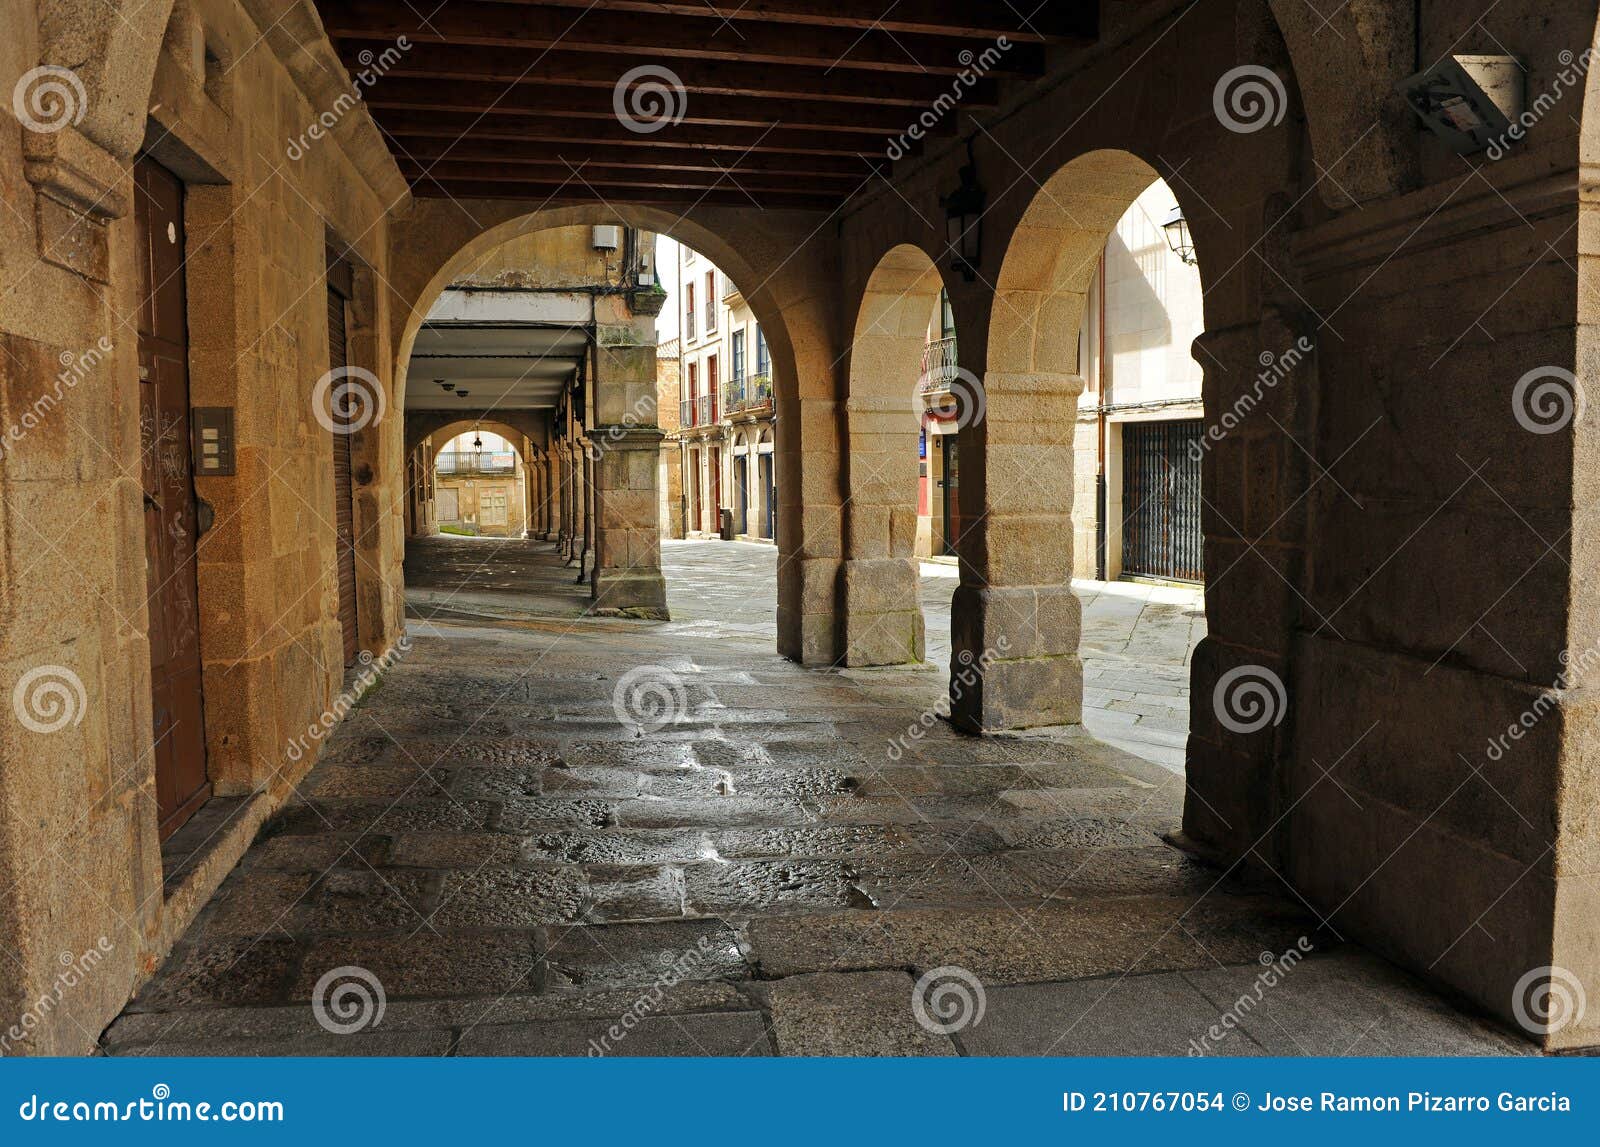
173,594
343,504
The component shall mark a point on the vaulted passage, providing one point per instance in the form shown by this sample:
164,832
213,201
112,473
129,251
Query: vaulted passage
504,501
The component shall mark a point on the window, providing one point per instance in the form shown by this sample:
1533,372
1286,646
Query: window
947,315
711,388
738,356
688,311
763,358
711,301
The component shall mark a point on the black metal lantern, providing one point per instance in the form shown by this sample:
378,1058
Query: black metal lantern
1177,229
963,221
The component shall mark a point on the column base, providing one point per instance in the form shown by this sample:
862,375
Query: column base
630,593
882,614
1015,663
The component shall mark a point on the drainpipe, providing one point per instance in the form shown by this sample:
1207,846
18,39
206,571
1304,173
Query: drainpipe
1102,444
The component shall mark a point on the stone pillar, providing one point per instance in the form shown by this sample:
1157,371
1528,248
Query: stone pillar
530,497
546,495
576,540
879,576
624,450
1014,621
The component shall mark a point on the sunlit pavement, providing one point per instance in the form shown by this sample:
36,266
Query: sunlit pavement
560,835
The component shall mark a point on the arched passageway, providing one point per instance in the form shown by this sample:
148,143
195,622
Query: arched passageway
1393,554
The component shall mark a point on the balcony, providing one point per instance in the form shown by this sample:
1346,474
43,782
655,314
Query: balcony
686,412
753,393
472,463
938,365
688,324
705,410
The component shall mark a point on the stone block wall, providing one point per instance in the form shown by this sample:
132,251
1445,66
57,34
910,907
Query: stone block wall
78,838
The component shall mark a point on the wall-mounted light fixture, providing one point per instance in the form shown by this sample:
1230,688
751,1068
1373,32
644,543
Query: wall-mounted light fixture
1177,230
963,221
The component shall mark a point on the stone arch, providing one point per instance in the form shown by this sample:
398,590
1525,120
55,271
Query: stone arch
878,581
781,264
1015,620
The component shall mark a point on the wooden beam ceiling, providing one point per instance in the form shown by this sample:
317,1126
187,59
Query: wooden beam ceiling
779,103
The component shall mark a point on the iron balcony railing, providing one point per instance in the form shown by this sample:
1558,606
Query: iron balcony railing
751,393
688,324
938,364
686,412
706,410
476,462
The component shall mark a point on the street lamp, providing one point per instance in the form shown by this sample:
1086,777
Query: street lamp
963,221
1177,229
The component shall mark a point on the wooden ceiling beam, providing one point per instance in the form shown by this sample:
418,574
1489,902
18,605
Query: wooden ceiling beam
546,194
510,153
467,128
500,101
607,176
712,77
1023,21
662,38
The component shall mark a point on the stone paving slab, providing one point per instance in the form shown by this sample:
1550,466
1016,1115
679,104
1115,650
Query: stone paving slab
519,869
862,1013
722,1033
1054,942
1351,1003
1133,1015
640,955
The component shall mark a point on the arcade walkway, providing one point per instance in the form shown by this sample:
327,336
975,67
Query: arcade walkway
550,834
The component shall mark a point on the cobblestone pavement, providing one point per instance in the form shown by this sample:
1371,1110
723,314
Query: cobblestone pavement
506,839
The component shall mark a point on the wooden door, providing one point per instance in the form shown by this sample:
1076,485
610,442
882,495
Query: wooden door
170,519
343,492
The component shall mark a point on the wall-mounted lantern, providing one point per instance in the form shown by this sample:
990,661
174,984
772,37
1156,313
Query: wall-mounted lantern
1177,229
963,221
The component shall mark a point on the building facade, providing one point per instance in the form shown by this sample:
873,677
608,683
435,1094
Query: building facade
727,431
479,487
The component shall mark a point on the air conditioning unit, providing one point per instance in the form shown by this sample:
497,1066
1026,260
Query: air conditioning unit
607,237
